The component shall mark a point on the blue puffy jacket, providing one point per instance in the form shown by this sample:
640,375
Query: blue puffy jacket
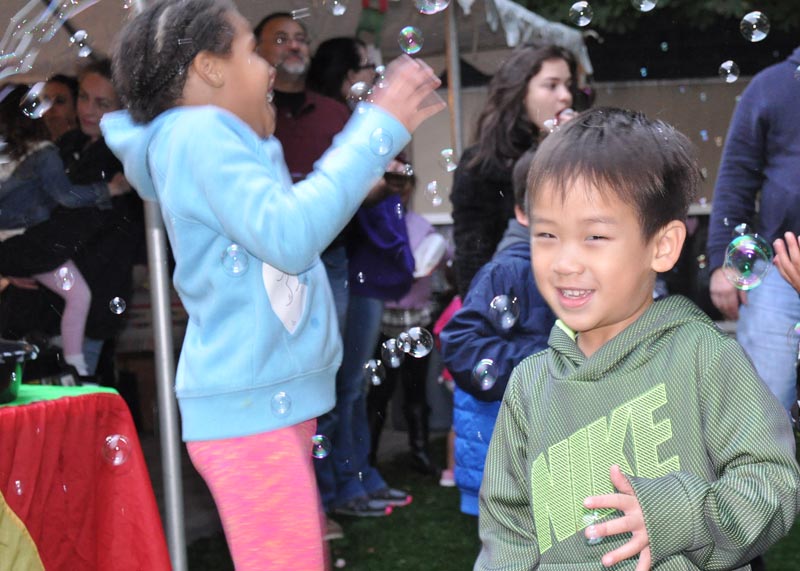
471,336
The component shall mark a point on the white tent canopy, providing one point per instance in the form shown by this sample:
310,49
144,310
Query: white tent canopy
35,40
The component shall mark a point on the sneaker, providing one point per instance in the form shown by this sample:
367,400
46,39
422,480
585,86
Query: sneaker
391,497
332,530
448,479
363,507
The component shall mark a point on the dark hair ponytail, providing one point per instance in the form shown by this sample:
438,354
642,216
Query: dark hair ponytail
156,48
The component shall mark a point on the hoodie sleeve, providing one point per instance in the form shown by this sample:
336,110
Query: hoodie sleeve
722,524
506,524
741,172
250,201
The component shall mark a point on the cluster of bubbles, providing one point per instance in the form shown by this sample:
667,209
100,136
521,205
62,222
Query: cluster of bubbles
748,258
416,342
503,313
581,13
116,449
33,26
434,191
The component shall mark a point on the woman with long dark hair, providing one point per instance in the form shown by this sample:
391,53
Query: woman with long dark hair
533,88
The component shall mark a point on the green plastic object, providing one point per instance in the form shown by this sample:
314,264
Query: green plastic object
13,355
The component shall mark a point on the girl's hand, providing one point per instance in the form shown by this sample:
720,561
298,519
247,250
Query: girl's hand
632,522
408,92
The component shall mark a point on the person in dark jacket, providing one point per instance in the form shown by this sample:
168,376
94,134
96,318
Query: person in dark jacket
761,166
486,339
532,90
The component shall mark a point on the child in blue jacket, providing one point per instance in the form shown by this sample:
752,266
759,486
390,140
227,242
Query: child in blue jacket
482,345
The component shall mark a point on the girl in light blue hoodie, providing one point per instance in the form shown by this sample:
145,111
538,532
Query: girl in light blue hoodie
262,348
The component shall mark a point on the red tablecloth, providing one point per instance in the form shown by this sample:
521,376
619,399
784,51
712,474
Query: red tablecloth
72,469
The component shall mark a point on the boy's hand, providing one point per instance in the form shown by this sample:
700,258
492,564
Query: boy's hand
787,258
633,522
408,92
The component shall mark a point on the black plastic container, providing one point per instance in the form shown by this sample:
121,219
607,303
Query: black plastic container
13,355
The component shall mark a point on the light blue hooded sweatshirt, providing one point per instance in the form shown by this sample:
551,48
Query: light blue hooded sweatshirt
262,345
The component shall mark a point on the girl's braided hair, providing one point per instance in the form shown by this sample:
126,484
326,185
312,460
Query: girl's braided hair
156,48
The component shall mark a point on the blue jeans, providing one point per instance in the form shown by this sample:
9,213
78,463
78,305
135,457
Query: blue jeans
335,261
346,474
766,331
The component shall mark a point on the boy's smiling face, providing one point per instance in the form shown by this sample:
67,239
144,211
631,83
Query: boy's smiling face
591,261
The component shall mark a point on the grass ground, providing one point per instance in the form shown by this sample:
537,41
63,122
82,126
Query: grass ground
429,535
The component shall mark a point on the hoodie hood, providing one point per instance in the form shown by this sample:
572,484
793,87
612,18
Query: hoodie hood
129,142
629,349
515,233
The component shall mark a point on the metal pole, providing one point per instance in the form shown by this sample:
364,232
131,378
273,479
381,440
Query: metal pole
165,378
453,79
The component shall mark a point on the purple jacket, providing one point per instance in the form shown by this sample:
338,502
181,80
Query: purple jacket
381,264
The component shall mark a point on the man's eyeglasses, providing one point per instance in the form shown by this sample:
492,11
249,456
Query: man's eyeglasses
283,39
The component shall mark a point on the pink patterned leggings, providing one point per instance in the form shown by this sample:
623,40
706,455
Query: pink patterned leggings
267,498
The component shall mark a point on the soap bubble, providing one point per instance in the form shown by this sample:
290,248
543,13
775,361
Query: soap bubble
380,76
729,71
380,142
35,103
748,258
754,26
374,372
504,311
432,193
704,135
484,375
410,39
429,7
336,7
320,446
664,47
643,71
644,5
592,518
79,40
116,449
392,354
281,404
65,279
447,160
117,305
359,91
417,342
235,260
360,277
581,14
741,229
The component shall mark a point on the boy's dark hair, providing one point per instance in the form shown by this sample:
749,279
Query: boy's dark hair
19,131
274,16
101,67
67,81
330,64
156,47
647,164
504,129
519,178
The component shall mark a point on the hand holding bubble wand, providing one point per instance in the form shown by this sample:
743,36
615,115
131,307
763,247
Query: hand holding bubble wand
632,522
